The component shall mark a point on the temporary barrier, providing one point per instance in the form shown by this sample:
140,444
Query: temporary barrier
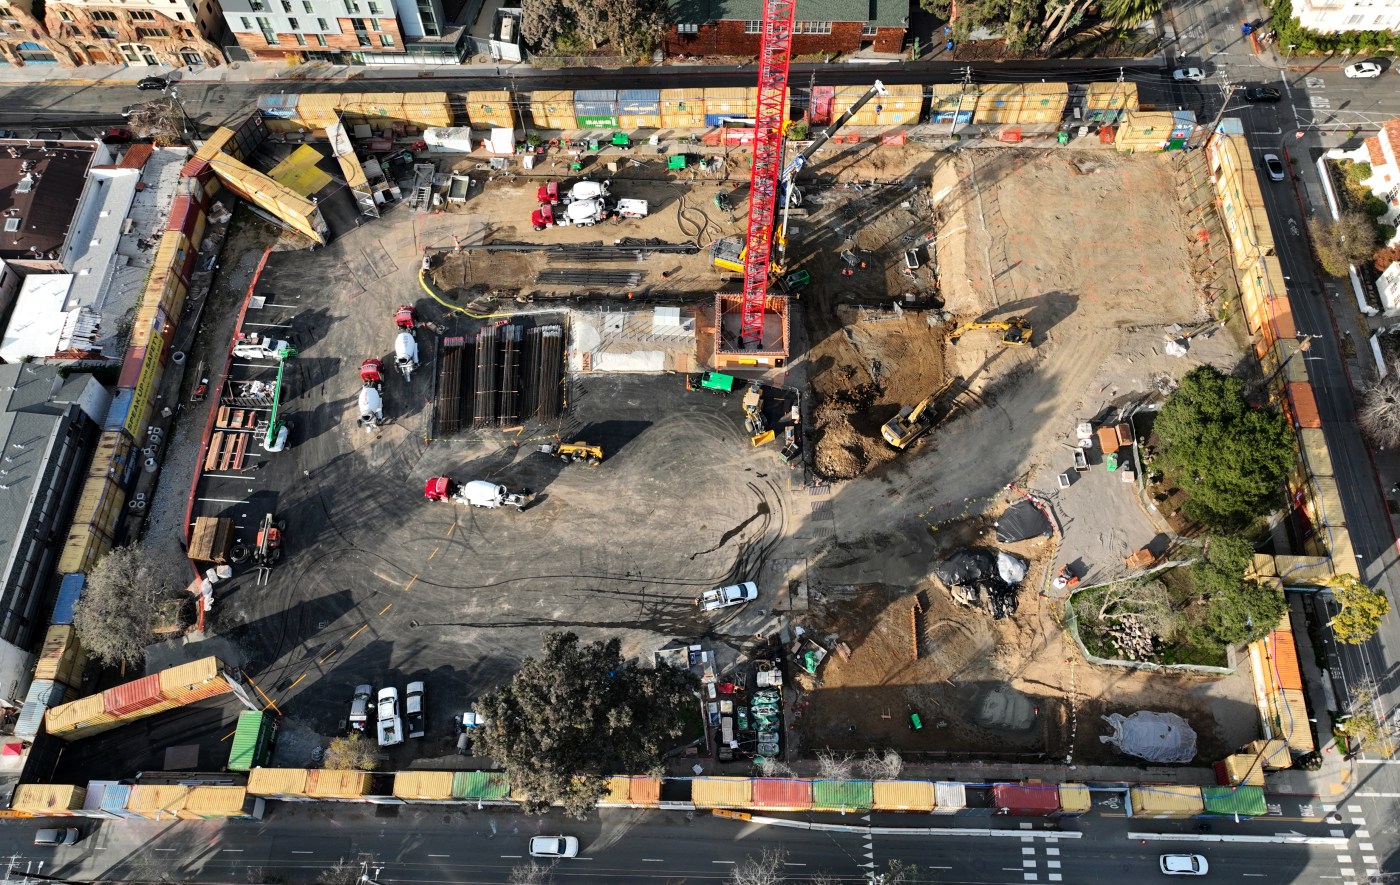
480,785
252,741
423,786
158,801
133,697
949,797
782,794
553,109
1026,800
490,110
1165,801
56,800
1245,801
280,783
683,108
337,784
639,108
223,803
903,796
1075,799
1283,654
595,108
43,694
842,796
722,792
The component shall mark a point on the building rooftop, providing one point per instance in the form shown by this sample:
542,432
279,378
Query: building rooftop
40,185
884,13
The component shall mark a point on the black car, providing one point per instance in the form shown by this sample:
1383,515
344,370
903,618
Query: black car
1263,93
151,83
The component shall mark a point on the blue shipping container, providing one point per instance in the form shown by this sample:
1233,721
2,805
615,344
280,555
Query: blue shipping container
70,590
638,101
114,800
117,412
278,107
43,694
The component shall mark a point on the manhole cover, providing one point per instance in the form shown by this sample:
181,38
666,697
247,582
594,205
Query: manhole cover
414,625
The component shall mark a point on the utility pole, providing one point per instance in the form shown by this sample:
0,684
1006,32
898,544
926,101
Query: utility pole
966,82
1227,89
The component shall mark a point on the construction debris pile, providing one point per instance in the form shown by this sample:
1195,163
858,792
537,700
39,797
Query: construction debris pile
983,579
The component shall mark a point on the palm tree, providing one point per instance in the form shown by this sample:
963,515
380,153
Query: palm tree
1130,13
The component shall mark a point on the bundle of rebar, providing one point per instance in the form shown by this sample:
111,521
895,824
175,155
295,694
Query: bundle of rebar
509,411
484,394
615,279
546,372
449,400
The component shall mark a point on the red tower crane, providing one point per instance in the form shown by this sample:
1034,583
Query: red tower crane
774,56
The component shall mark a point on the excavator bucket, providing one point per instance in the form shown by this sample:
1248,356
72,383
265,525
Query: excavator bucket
764,437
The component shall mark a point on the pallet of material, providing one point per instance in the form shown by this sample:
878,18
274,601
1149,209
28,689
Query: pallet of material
211,539
226,451
230,418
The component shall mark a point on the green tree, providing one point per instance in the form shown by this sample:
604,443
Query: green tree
578,714
115,618
1130,13
1349,240
1363,608
1236,610
1229,458
351,753
627,27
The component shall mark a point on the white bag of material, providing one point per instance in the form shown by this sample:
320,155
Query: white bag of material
1011,568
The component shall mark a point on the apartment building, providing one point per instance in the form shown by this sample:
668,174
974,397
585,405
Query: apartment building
348,31
150,33
1332,16
23,40
733,27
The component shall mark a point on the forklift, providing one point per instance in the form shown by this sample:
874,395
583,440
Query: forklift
268,548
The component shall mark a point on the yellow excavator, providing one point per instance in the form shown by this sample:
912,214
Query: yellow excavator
914,421
580,452
1015,331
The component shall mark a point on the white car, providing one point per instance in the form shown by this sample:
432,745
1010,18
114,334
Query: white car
1189,75
724,597
1274,166
1363,70
1184,865
390,725
554,846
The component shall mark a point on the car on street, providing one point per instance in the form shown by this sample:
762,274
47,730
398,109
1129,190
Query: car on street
1189,75
553,846
359,707
116,135
57,836
724,597
1274,166
1184,865
390,725
1263,94
414,714
152,83
1363,70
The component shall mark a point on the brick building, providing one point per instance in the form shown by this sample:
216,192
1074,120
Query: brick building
732,27
348,31
23,40
151,33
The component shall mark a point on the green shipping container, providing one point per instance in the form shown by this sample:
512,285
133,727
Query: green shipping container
1245,800
843,795
480,785
252,742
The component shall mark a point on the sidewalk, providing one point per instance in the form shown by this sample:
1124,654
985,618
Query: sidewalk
249,72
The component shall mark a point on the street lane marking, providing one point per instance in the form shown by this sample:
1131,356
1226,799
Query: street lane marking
303,852
165,849
232,850
794,864
511,855
439,855
722,861
652,860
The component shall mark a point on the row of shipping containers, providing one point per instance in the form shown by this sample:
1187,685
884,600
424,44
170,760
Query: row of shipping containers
58,675
309,784
113,800
117,706
1183,801
1249,765
395,111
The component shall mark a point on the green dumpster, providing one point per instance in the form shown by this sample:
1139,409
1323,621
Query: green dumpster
675,162
1064,138
1111,461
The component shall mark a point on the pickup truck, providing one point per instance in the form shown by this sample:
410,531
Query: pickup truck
724,597
415,717
390,725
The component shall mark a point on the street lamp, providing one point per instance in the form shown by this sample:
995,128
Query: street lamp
1287,58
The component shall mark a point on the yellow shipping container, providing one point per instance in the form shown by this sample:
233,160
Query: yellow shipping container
101,503
1075,799
337,784
900,106
1000,103
1293,720
61,658
1243,768
683,108
951,97
1274,753
903,796
191,678
1166,801
619,791
81,550
275,782
730,101
1112,97
84,713
426,786
57,800
722,792
220,803
553,109
490,110
1044,102
1144,131
158,801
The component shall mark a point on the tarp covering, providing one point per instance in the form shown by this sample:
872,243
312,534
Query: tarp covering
721,792
481,785
842,795
782,794
1156,737
1021,522
903,796
973,578
1245,801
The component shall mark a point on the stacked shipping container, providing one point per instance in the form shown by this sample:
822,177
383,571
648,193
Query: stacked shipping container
166,690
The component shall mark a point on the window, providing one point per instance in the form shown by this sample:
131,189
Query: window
105,32
293,24
301,41
64,15
386,40
351,7
265,25
358,24
753,27
687,29
868,29
145,33
320,41
179,16
373,7
141,15
1354,20
306,5
245,22
103,15
812,28
321,25
431,27
286,5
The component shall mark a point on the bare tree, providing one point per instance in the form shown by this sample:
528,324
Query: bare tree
1368,729
769,767
532,873
765,869
342,872
116,617
1379,415
832,766
881,766
161,120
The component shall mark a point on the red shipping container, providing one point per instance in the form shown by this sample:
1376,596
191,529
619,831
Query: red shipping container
1026,800
130,697
782,794
1303,404
182,215
822,98
131,367
733,137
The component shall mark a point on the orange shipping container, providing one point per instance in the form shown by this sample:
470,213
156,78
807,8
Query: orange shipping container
1108,440
646,791
134,696
1303,405
1284,655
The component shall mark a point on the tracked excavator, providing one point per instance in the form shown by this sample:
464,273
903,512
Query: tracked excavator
1015,331
913,422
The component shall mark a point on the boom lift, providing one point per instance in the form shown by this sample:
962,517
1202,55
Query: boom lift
1015,331
913,422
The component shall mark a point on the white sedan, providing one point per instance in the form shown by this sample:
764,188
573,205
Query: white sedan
554,846
1363,70
1189,75
1184,865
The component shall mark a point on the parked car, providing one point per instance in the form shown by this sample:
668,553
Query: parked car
1363,70
554,846
152,83
390,725
1184,865
359,707
57,836
724,597
1274,166
1189,75
414,714
116,135
1263,93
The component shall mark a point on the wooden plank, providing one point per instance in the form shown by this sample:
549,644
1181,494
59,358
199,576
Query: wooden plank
240,448
216,442
222,419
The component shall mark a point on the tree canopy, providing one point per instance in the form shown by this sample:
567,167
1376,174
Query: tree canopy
627,27
1236,610
1363,608
351,752
1349,240
1229,458
578,714
1037,25
114,619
